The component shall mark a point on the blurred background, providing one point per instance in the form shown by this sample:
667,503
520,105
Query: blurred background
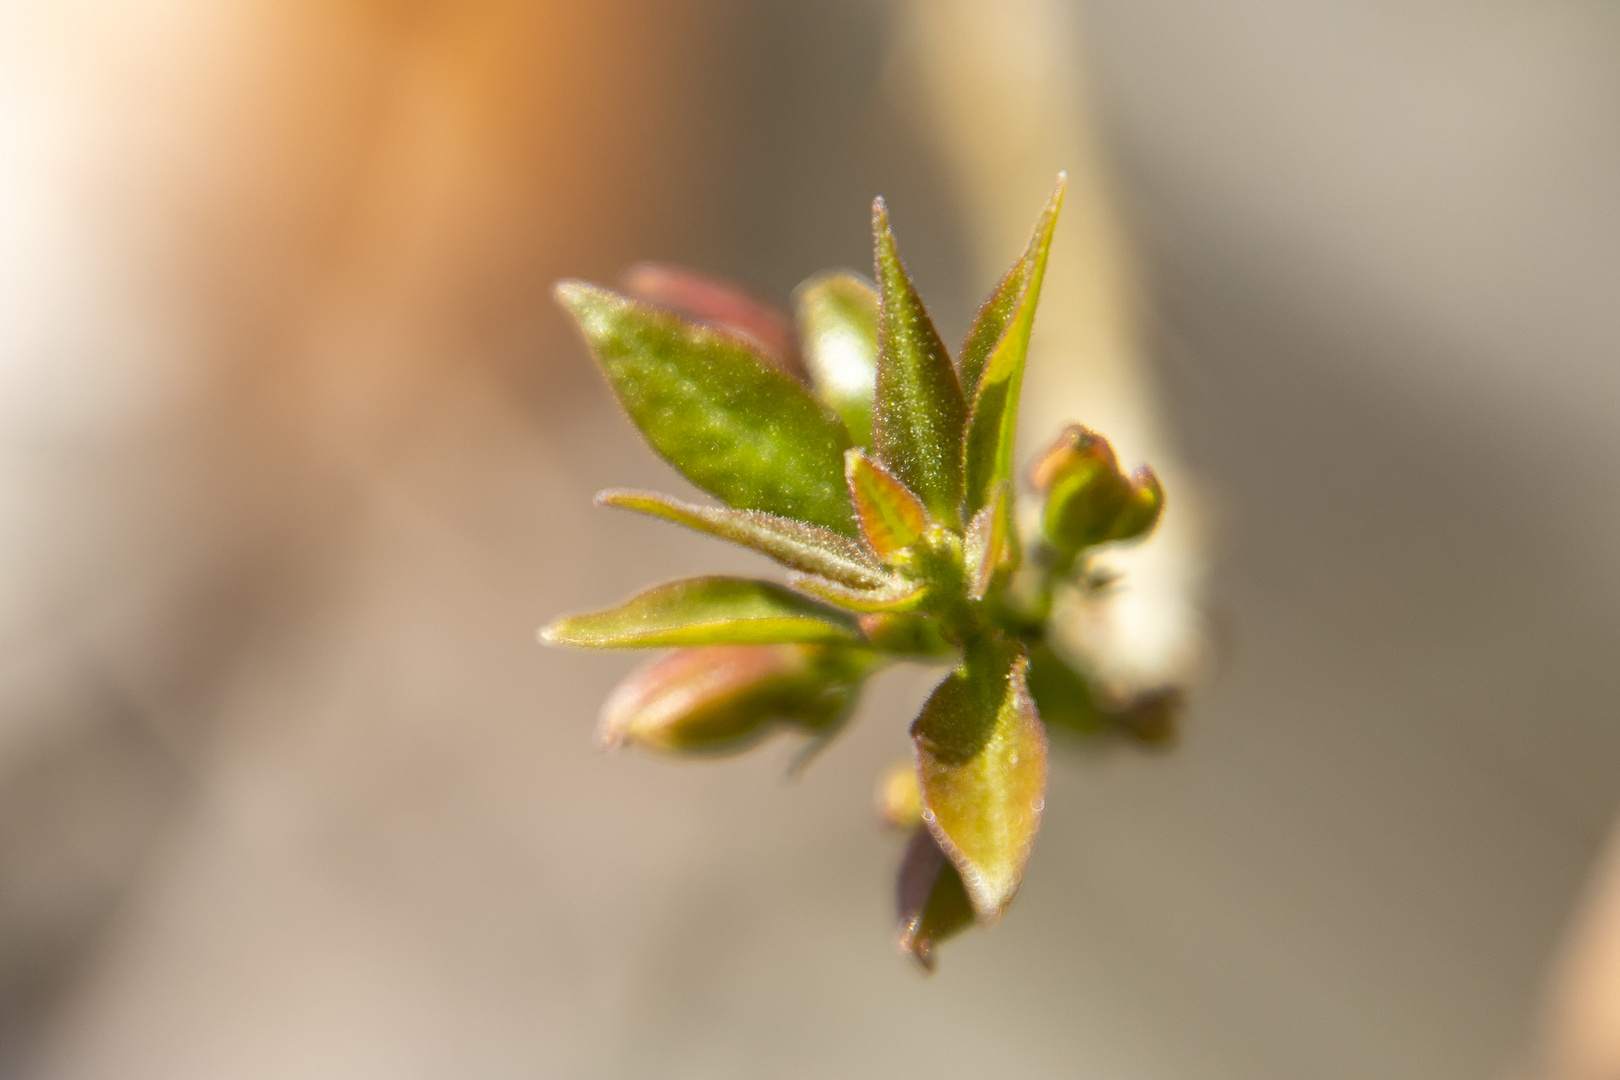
296,453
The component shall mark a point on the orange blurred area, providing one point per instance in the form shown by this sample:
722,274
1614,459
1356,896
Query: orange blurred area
296,452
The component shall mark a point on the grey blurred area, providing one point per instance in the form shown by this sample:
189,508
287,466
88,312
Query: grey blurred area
297,453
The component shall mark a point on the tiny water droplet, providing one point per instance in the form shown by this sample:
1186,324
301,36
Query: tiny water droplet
1040,804
928,815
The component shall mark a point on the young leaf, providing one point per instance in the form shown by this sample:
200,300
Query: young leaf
721,698
896,594
981,761
1064,698
993,362
838,324
920,413
733,424
792,543
1013,298
988,545
719,303
706,611
889,515
932,903
1066,703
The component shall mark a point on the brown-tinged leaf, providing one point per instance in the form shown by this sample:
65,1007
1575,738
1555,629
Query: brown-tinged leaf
981,761
993,363
931,901
792,543
890,516
733,424
920,414
838,323
722,304
722,698
707,611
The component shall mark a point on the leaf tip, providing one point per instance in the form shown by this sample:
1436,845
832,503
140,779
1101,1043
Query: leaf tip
570,293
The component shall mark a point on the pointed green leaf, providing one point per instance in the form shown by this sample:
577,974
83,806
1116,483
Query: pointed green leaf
838,326
1012,295
733,424
721,698
932,903
981,760
706,611
920,413
993,362
896,594
792,543
889,515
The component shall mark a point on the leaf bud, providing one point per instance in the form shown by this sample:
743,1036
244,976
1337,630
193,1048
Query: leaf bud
1088,500
898,797
720,698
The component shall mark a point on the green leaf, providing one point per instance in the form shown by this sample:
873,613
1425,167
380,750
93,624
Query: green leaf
721,698
706,611
919,408
987,547
890,516
981,761
711,406
932,903
1067,703
792,543
993,362
904,633
838,327
1062,696
896,594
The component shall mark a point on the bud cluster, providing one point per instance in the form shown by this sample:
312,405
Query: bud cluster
878,471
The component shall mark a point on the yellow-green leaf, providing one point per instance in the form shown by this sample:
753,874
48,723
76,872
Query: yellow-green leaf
890,516
920,413
706,611
838,327
792,543
981,762
896,594
711,406
993,362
